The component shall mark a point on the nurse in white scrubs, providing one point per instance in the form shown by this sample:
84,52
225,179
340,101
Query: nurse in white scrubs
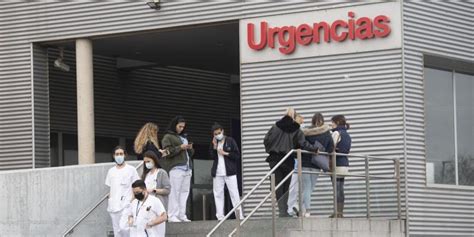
120,179
146,214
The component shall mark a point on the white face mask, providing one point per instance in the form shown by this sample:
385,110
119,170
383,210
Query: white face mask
149,165
220,136
119,159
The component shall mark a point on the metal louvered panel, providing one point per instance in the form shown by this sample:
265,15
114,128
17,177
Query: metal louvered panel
40,21
41,107
23,22
443,28
366,87
15,107
124,101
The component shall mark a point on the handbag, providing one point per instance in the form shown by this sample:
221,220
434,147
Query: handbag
321,161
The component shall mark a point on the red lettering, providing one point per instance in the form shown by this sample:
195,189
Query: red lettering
351,25
340,30
364,31
251,36
335,25
316,35
288,44
384,29
304,34
271,36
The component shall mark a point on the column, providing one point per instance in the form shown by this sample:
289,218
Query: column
85,102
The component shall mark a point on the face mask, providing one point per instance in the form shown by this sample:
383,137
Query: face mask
119,159
220,137
139,196
149,165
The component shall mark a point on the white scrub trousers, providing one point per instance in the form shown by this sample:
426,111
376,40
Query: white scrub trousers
118,232
218,189
180,181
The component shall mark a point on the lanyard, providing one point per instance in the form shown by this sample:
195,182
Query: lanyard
139,209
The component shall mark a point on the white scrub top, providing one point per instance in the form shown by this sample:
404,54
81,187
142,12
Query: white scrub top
120,183
220,160
143,213
150,180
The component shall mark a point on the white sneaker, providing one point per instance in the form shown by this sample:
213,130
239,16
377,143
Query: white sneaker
173,219
184,219
307,214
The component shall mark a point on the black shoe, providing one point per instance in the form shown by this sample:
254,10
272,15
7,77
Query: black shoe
284,215
297,213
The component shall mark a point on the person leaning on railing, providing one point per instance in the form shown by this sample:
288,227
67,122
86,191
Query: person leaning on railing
342,141
318,132
282,137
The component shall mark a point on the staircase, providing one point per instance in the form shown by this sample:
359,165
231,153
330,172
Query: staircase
291,227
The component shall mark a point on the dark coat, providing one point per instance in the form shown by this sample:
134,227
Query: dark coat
231,160
282,137
322,135
149,147
343,146
177,156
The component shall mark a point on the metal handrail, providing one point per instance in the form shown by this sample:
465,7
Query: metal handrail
249,193
90,210
332,174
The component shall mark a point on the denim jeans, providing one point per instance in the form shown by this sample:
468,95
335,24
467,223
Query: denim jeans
309,182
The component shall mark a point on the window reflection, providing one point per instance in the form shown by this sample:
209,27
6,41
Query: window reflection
439,117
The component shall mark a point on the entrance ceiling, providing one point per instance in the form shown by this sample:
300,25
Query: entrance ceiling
214,48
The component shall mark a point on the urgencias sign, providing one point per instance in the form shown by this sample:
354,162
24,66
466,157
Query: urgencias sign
342,30
361,28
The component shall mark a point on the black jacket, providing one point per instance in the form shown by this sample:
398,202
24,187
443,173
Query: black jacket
151,147
282,137
322,135
231,160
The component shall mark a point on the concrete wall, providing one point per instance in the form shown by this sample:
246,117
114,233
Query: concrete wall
45,202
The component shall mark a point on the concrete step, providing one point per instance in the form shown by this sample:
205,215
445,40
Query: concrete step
289,227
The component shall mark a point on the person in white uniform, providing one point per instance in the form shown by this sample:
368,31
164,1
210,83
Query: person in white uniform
119,179
156,179
146,214
225,153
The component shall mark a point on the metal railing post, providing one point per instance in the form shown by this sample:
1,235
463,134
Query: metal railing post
274,203
237,218
204,207
367,186
262,180
334,182
300,185
399,205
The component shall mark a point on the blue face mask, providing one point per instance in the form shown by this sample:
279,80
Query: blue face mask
149,165
220,137
119,159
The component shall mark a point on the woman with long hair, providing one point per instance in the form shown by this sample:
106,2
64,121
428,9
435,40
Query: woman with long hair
342,142
319,135
147,140
179,167
156,179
